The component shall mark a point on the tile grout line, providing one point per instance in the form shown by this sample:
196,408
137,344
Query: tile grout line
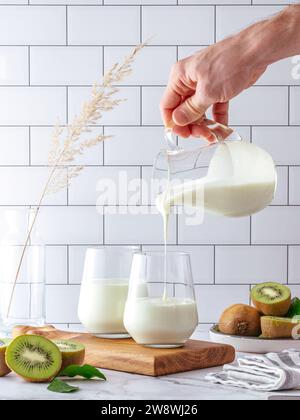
67,37
68,265
214,264
288,185
67,188
156,126
103,148
103,228
215,23
132,85
104,4
67,106
29,145
141,185
141,107
103,59
29,75
141,24
287,263
289,105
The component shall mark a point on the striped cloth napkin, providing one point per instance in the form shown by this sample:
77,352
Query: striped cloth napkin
270,372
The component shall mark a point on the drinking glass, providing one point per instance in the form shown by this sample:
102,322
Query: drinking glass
104,290
161,310
22,271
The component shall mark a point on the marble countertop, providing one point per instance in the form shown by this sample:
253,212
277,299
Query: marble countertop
125,386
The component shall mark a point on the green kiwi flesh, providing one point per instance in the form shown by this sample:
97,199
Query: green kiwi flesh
4,369
34,358
271,299
72,353
276,327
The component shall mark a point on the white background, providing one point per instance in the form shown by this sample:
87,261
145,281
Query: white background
51,52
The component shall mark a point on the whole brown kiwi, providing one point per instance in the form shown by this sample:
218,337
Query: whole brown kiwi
4,369
243,320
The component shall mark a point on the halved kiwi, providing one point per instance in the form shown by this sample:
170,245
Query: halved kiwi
34,358
72,353
4,369
272,299
276,327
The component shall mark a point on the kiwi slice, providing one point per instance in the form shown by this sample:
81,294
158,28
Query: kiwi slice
72,353
272,299
34,358
276,327
4,369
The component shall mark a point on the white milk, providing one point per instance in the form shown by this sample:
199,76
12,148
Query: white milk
101,305
160,321
231,198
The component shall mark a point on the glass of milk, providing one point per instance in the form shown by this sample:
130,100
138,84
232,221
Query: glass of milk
161,310
104,290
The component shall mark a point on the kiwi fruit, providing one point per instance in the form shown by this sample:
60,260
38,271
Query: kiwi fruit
271,299
4,369
34,358
276,327
72,353
240,320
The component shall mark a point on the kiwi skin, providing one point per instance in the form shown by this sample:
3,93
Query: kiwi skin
276,327
4,369
242,320
28,378
72,356
279,308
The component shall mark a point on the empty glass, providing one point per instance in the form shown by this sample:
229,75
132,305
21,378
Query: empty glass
104,290
161,310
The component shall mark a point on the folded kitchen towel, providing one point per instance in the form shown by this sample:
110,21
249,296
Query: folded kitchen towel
270,372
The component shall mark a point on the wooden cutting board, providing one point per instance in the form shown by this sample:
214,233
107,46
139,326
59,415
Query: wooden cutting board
127,356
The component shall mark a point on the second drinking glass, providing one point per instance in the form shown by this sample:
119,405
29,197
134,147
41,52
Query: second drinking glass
104,290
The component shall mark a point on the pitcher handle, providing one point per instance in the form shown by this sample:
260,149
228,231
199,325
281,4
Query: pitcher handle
220,131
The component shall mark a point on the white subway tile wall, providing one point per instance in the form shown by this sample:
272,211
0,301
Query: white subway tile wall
51,53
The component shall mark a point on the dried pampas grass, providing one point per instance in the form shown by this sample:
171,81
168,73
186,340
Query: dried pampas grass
67,143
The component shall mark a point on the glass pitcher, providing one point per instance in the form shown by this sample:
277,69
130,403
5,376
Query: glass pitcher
229,176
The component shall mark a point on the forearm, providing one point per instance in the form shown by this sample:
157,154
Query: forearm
273,39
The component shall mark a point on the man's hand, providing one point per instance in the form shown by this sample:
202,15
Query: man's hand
218,73
210,77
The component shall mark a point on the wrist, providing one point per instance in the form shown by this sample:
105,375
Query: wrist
273,39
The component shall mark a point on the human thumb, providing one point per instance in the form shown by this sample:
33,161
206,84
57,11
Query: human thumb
191,110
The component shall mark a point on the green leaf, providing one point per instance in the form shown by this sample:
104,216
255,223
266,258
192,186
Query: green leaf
85,371
57,385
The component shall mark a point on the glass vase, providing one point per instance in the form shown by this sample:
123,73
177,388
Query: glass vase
22,271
